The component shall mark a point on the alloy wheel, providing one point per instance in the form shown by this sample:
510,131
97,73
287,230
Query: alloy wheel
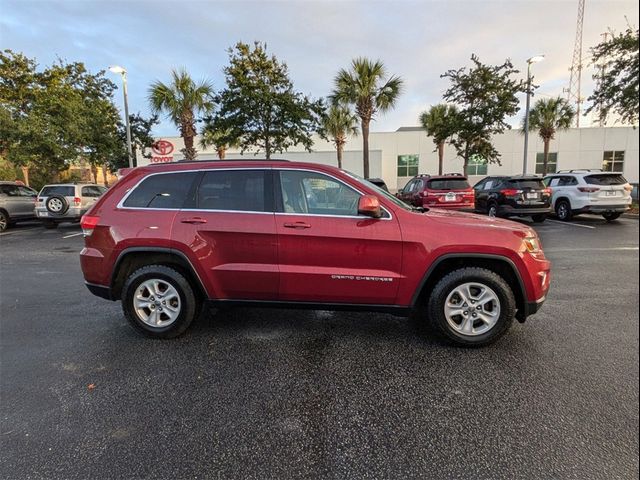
472,309
157,303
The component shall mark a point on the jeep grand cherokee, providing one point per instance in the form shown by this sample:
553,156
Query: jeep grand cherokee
167,239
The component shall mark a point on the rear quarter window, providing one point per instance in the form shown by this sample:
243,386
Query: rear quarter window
166,190
64,190
605,179
448,184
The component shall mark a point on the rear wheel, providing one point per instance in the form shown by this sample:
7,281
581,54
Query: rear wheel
611,216
539,218
471,307
492,210
158,301
4,221
563,210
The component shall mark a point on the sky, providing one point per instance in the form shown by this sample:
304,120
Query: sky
417,40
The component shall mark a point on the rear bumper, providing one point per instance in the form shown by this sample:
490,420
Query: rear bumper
508,210
99,290
619,208
451,206
70,215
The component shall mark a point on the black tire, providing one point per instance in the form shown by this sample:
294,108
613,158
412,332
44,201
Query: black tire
49,224
188,302
57,205
539,218
563,210
611,216
5,222
435,309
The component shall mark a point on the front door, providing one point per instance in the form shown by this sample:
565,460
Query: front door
230,233
327,252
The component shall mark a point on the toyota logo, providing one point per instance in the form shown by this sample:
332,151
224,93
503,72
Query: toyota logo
162,147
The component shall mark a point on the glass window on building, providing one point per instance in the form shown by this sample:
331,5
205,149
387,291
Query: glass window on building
477,165
552,163
408,165
613,161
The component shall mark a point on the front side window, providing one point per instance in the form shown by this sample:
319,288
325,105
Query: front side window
477,165
27,192
408,165
613,161
10,190
315,193
238,190
552,163
167,190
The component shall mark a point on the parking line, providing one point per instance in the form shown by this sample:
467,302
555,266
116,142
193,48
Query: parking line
571,224
73,235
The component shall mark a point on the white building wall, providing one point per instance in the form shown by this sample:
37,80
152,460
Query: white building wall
576,148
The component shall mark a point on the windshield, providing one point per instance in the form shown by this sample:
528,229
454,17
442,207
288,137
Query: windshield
384,193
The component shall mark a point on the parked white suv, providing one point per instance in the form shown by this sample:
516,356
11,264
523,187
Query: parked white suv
589,191
66,202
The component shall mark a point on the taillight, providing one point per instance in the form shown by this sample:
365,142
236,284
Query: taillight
88,224
77,201
588,189
548,191
510,192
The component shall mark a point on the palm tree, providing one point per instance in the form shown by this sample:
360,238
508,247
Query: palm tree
366,86
548,116
440,123
218,140
338,123
181,100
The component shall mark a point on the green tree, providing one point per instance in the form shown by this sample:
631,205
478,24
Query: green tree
440,122
616,90
485,96
548,116
259,107
336,125
213,136
366,86
181,100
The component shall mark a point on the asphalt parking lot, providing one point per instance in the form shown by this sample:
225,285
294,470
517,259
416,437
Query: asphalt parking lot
251,393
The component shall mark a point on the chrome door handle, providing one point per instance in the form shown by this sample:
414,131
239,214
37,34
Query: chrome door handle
193,220
297,225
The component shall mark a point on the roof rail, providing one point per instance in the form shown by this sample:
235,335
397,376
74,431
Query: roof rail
577,170
455,174
181,162
423,175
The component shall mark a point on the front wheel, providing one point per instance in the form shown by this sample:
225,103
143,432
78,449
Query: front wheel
158,301
611,216
471,307
4,221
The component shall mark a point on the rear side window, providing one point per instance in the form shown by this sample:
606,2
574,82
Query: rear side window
64,190
528,183
449,184
92,191
605,179
239,190
167,190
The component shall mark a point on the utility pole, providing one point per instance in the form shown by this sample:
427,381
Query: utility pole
575,81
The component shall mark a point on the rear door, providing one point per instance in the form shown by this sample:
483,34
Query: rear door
329,253
228,230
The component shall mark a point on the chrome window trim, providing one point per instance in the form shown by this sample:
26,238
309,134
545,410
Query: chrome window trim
294,169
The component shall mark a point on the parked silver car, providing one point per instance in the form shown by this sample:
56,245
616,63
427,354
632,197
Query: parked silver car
17,204
66,202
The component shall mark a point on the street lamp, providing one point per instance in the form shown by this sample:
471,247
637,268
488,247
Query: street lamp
123,73
536,59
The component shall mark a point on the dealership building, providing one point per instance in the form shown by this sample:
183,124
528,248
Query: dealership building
397,156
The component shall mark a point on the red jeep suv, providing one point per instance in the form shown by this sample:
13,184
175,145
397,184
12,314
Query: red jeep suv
451,191
168,238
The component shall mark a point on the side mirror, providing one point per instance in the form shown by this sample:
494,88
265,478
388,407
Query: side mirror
369,205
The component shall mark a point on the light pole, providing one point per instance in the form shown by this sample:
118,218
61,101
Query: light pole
123,73
536,59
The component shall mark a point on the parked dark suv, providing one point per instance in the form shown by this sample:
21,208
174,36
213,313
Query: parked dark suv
165,239
517,196
451,191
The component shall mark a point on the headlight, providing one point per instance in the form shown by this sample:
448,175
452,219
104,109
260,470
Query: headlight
532,244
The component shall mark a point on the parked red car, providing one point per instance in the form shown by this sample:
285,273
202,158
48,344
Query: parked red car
451,191
166,239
